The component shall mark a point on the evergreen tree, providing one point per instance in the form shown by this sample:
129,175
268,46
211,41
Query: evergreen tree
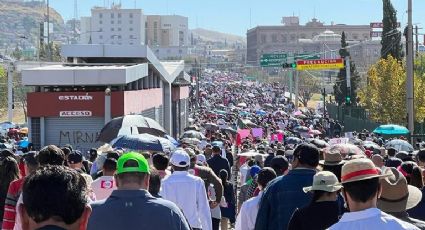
340,87
391,37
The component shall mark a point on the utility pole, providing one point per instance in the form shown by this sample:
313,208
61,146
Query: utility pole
409,62
10,91
197,83
296,88
348,76
49,53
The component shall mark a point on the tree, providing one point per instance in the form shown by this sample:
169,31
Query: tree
55,50
308,85
17,53
391,37
340,87
385,94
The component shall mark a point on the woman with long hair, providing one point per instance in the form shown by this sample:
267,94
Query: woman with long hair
9,172
228,210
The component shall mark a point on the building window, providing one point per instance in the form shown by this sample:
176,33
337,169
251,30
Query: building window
180,51
112,36
263,38
303,36
101,30
131,29
119,36
131,21
119,21
112,29
131,37
100,15
119,15
284,38
131,43
119,28
274,38
100,36
112,22
100,22
131,15
112,15
293,37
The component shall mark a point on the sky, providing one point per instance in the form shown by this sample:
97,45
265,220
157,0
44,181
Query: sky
237,16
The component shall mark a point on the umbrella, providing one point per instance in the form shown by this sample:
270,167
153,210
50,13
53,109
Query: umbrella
129,125
221,112
250,154
261,112
346,149
293,141
230,130
399,145
251,95
193,134
370,144
297,113
143,142
5,146
210,126
242,105
249,123
243,113
315,132
319,143
301,129
280,112
192,127
268,105
172,140
190,141
302,116
391,130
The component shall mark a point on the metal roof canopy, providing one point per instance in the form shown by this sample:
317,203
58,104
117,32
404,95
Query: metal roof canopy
168,71
82,74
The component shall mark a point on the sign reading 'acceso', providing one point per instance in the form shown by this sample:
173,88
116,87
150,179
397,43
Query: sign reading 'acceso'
75,98
75,113
319,64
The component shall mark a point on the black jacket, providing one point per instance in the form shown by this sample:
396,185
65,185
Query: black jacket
218,163
316,216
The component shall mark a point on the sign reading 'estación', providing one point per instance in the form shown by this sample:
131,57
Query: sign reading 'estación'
320,64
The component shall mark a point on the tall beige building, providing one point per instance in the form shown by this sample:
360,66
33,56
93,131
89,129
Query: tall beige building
167,30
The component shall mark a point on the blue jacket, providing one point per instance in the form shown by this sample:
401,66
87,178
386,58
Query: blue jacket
281,197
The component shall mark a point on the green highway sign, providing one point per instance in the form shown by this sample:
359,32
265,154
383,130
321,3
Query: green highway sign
306,56
272,60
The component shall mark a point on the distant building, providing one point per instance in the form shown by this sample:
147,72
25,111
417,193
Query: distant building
167,30
291,37
114,26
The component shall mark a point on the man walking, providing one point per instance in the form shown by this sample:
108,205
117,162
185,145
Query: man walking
131,206
187,191
285,194
362,187
217,162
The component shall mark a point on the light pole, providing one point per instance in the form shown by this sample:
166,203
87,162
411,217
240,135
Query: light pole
10,91
409,63
107,105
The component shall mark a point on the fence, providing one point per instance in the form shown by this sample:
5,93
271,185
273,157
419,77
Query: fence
356,119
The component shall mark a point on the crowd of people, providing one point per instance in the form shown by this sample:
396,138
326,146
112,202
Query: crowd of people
249,160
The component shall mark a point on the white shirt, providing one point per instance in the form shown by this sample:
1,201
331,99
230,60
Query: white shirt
248,213
371,218
103,187
188,193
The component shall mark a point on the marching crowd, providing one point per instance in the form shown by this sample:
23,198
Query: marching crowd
249,160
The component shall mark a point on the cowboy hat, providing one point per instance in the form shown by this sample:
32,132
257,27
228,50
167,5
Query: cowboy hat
397,195
324,181
360,169
332,158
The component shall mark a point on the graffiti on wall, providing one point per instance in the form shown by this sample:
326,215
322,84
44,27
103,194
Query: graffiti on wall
76,137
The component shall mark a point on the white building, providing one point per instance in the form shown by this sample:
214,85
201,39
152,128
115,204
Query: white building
113,26
167,30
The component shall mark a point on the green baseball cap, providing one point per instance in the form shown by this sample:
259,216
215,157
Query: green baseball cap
143,166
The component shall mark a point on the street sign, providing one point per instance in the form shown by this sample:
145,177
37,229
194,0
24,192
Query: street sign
320,64
272,60
379,25
306,56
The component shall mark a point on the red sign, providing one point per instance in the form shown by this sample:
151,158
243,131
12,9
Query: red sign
319,64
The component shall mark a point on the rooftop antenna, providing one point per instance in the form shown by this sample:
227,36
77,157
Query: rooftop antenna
314,12
75,19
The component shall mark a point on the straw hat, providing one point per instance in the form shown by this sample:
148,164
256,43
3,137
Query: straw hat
332,158
397,195
360,169
324,181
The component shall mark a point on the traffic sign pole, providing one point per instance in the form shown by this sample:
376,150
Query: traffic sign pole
296,89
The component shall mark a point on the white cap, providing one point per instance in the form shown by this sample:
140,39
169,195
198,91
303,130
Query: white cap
180,158
201,159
